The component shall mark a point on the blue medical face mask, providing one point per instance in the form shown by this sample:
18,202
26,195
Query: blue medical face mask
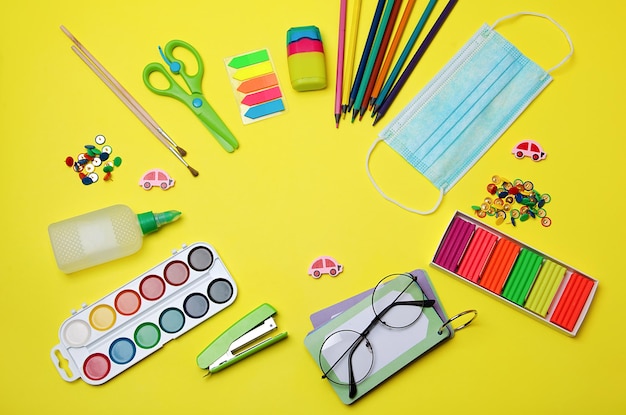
467,106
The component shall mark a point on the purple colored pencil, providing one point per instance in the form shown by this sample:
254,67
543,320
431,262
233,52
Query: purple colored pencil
340,59
415,60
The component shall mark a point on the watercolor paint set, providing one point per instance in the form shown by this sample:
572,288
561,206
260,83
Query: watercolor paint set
519,275
104,339
255,85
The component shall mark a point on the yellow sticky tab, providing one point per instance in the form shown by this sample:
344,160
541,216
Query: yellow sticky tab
253,71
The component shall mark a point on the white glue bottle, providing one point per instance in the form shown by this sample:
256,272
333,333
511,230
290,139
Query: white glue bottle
103,235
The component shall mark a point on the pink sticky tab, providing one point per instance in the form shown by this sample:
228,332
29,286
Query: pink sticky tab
262,96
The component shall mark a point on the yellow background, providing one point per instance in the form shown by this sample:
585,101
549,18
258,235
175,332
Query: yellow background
296,189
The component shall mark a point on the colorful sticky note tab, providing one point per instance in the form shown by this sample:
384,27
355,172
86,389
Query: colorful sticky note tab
249,59
262,96
255,85
253,71
263,110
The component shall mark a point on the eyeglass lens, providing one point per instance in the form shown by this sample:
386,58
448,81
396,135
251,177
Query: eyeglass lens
393,300
394,304
344,350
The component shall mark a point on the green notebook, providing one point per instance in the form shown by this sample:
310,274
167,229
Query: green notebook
392,348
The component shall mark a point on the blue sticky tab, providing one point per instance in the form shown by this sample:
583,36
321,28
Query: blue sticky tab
264,109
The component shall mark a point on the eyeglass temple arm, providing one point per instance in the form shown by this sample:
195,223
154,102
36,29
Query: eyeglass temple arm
378,317
352,349
352,382
419,303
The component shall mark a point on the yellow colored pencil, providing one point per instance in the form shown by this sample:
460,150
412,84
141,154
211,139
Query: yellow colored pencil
348,77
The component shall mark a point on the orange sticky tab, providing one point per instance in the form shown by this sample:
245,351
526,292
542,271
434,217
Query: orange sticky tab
256,84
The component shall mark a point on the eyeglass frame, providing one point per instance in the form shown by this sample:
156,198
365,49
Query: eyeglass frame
377,318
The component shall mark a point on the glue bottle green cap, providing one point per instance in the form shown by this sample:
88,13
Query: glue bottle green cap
151,222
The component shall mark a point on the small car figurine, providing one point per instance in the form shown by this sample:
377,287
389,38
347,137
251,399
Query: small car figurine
529,148
158,178
325,265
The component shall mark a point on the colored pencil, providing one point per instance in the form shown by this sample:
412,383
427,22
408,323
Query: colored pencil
349,66
380,56
340,60
404,55
393,47
366,52
367,73
384,107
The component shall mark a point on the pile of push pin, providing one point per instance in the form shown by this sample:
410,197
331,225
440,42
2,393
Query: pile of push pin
88,161
507,196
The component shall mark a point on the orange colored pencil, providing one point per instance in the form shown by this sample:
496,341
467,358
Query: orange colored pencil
393,47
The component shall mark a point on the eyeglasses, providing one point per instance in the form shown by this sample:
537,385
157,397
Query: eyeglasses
346,357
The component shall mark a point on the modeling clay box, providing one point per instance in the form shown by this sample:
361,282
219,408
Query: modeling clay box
515,273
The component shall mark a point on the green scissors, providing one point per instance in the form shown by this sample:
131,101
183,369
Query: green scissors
194,100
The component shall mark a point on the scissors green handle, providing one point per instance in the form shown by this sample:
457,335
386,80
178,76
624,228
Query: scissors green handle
194,99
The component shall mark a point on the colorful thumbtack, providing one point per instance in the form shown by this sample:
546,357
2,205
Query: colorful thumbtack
507,193
93,158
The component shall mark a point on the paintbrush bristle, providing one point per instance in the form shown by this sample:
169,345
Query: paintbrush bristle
193,171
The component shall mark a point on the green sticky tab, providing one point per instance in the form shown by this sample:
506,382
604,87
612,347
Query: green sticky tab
249,59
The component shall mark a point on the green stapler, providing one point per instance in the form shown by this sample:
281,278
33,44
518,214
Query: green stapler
242,339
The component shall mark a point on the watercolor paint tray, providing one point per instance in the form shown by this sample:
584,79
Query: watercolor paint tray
104,339
515,273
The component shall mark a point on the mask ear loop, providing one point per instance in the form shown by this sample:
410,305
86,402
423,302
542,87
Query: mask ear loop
378,189
561,28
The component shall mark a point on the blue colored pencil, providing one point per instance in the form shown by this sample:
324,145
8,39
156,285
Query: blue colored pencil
382,110
403,56
366,51
371,59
